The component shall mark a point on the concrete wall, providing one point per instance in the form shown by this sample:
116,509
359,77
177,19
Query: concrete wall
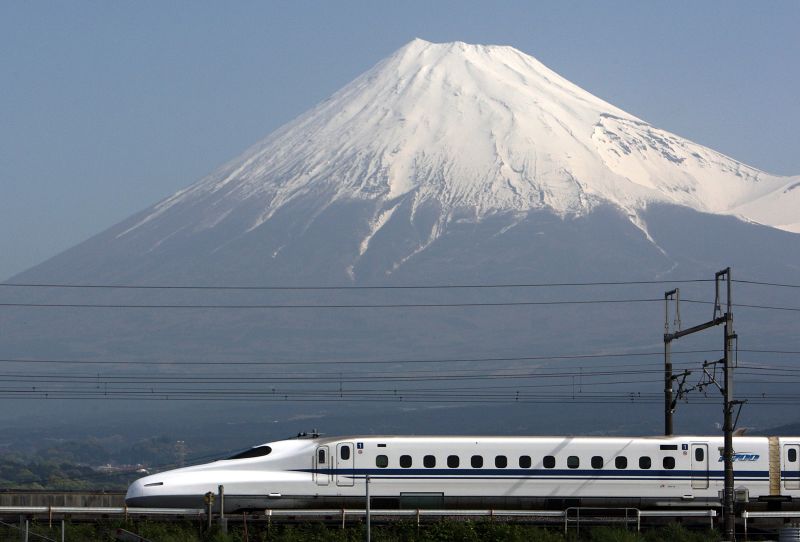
61,498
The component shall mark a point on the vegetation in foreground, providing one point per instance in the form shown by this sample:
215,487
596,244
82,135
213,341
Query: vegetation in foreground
444,531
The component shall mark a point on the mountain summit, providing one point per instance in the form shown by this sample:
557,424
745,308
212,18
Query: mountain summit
433,141
472,130
445,164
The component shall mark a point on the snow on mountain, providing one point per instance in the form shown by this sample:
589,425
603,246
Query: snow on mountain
778,208
475,130
444,164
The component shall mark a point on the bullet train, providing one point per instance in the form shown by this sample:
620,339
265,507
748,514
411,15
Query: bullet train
485,472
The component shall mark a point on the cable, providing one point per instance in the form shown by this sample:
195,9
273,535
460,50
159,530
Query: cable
352,287
744,305
383,305
767,307
116,382
381,287
108,379
407,397
771,351
359,362
351,306
759,283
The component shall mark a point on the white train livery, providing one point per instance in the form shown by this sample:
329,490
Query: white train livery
465,472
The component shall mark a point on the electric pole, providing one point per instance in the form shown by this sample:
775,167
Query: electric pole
726,388
669,409
730,336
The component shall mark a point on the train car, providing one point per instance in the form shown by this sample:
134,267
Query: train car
486,472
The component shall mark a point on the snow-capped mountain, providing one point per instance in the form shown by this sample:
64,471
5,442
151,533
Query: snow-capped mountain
444,164
473,131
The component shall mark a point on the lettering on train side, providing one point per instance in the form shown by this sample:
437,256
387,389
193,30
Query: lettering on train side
743,456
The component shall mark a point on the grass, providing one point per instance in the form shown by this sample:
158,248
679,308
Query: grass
443,531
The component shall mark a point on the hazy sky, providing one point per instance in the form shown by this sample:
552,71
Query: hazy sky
108,107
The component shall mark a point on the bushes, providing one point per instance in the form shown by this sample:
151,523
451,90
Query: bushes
440,531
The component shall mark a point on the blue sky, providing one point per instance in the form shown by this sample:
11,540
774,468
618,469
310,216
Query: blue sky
108,107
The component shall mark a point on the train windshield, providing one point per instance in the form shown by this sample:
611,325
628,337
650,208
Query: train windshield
258,451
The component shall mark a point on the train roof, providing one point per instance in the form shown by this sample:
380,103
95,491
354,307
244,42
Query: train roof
325,439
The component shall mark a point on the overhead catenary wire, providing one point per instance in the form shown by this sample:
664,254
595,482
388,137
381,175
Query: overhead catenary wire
123,383
743,305
186,387
349,286
595,378
114,380
452,394
765,283
380,305
408,397
329,306
397,361
220,287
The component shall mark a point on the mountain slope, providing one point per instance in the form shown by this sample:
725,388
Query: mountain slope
457,132
444,164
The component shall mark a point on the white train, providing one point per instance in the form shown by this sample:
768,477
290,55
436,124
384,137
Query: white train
510,472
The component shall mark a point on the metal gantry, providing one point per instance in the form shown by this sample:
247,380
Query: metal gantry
726,388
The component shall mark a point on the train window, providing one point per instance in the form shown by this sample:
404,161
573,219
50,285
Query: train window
699,454
597,462
405,461
321,456
453,461
791,455
344,453
621,462
476,461
382,461
258,451
669,463
525,462
429,461
645,462
573,462
500,461
549,462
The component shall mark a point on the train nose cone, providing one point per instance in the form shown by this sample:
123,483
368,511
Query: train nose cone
135,493
145,492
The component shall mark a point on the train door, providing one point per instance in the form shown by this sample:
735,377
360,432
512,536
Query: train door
699,454
322,466
791,466
344,464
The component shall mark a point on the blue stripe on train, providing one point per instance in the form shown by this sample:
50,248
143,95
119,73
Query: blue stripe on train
541,474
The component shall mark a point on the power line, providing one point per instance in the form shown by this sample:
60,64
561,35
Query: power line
775,284
350,287
399,397
380,305
331,306
767,307
94,380
359,362
399,361
130,383
96,286
770,351
743,305
157,386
